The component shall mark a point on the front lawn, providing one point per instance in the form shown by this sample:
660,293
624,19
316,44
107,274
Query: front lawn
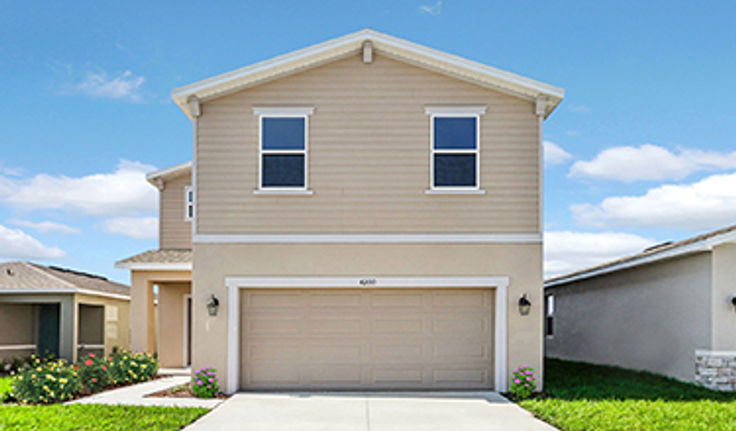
95,417
585,397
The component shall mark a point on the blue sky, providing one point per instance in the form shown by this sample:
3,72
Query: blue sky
641,150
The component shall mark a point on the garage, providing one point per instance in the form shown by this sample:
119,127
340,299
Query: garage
366,338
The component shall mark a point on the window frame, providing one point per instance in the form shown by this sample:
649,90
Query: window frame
549,315
188,204
264,113
454,112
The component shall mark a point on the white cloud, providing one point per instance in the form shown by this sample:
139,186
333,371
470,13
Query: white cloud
16,244
705,204
566,251
126,86
133,227
651,162
122,192
46,226
434,9
554,154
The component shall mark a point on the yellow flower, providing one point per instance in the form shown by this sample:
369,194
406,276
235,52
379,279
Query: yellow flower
63,380
33,376
20,377
39,369
143,366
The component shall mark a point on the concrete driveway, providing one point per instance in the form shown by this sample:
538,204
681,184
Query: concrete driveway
461,411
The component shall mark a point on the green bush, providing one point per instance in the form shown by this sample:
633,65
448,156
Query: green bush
13,365
45,382
93,373
127,367
204,383
523,382
6,389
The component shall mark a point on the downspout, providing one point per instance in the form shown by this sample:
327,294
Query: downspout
195,111
541,110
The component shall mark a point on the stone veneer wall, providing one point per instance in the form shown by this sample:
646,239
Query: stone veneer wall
716,370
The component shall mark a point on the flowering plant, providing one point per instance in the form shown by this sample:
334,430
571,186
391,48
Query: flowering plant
93,373
127,367
40,382
523,382
204,383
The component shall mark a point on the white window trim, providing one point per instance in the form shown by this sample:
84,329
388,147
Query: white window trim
276,112
499,283
454,112
187,203
550,312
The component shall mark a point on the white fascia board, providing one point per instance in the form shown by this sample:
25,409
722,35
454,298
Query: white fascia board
367,238
368,282
339,47
62,292
695,247
168,171
155,266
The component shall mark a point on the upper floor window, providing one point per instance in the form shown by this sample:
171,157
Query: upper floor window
455,148
188,203
549,327
283,148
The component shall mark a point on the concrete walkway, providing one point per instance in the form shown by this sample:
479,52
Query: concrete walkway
135,395
461,411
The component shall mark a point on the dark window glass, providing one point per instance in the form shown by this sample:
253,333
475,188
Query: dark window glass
283,133
454,170
454,133
283,170
550,330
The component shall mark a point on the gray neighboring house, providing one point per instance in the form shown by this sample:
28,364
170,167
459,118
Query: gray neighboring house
669,309
47,309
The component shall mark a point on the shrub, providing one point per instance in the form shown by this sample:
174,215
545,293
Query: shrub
204,383
93,373
6,389
45,382
127,367
10,366
523,382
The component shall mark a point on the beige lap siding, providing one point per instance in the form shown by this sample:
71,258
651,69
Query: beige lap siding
366,338
369,149
174,231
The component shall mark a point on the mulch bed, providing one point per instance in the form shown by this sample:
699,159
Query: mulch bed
182,391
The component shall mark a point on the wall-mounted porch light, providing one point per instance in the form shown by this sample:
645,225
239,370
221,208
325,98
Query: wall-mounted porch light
524,305
212,305
733,302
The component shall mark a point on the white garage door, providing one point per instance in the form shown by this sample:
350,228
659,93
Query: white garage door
366,338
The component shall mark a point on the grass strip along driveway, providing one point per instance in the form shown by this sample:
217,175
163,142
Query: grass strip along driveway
585,397
95,417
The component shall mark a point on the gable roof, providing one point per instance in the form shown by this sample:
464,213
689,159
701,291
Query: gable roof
28,277
383,44
162,259
667,250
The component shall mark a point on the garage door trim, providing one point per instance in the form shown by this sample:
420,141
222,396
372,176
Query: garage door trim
234,284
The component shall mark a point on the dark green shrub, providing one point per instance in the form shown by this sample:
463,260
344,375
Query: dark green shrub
127,367
93,373
45,382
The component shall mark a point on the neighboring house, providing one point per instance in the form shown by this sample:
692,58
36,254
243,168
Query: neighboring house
366,212
669,310
51,310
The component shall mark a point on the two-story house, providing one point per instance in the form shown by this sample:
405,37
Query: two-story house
366,212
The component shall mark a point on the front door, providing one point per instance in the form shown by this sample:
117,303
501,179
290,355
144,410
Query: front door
48,330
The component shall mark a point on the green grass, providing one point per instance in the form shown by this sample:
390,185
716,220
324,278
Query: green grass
95,417
585,397
6,386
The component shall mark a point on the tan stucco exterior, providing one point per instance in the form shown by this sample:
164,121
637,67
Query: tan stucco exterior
171,301
723,316
522,263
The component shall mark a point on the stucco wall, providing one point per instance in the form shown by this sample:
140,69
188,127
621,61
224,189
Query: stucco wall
651,317
116,318
213,262
724,288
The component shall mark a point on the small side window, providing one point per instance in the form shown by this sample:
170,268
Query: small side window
188,203
549,321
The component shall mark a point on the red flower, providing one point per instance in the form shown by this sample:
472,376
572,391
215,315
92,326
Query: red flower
91,355
88,362
76,367
104,368
109,359
94,380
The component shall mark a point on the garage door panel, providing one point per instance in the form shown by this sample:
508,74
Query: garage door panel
367,339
